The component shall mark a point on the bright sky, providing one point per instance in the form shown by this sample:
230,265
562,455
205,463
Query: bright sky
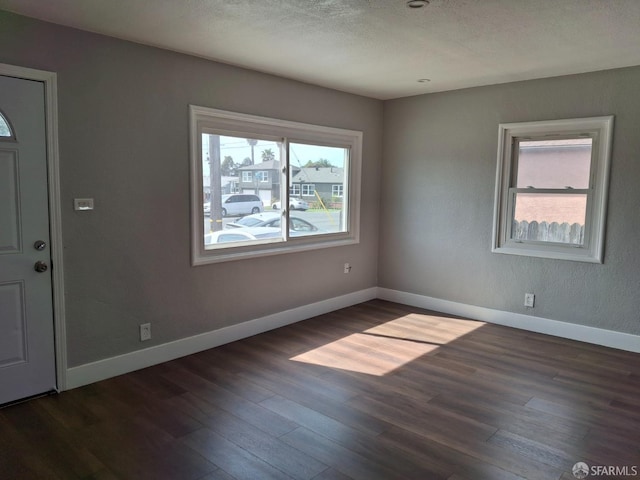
239,149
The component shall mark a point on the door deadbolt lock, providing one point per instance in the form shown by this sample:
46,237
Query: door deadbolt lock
40,245
40,267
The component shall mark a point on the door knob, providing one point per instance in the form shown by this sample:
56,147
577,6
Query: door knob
40,267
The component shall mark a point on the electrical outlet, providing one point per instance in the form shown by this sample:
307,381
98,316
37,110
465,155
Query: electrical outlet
347,268
529,299
145,332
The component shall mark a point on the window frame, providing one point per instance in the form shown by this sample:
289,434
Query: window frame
600,129
339,188
222,122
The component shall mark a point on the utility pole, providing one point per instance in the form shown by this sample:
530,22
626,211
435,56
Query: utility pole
215,183
253,143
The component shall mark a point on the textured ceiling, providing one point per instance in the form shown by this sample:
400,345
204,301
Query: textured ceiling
376,48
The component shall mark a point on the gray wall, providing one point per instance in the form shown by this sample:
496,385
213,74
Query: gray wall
123,112
439,169
124,141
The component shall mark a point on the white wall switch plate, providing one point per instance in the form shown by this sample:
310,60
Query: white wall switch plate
82,204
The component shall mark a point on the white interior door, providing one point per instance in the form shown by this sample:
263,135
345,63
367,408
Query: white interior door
27,355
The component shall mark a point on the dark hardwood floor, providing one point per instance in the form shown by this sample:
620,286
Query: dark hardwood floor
374,391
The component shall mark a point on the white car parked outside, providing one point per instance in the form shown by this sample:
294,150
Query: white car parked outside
295,203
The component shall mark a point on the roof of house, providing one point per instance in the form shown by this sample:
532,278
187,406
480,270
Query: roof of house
270,165
319,175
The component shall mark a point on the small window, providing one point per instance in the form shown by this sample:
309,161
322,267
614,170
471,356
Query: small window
308,189
551,188
297,160
5,129
336,190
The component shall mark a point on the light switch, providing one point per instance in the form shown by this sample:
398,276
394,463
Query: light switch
83,204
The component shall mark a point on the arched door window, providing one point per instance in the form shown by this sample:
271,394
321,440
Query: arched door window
5,128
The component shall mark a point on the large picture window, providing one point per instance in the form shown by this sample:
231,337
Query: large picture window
551,188
286,174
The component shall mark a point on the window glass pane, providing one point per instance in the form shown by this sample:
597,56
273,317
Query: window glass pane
554,163
235,191
5,131
315,175
556,218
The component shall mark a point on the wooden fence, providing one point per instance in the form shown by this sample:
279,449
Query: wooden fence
549,232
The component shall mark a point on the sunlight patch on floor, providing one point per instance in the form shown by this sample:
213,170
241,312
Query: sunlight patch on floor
387,347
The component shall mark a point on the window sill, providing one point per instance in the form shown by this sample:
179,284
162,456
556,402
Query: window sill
207,257
575,254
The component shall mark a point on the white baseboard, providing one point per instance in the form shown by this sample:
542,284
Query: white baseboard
597,336
111,367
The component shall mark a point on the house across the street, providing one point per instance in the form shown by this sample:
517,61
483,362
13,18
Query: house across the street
309,183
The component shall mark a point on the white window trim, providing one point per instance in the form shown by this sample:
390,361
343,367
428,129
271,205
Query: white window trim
338,188
601,129
247,176
203,118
